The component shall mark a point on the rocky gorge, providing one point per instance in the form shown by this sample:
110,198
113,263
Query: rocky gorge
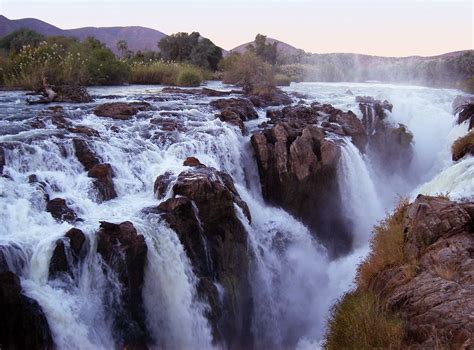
205,218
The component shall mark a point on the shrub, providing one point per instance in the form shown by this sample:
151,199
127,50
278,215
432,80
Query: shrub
189,77
359,321
386,246
250,72
463,145
282,80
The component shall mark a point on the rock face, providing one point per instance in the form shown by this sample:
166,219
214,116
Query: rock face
67,254
235,111
84,154
274,97
203,214
102,173
125,252
389,145
464,107
437,299
298,169
121,110
23,324
60,211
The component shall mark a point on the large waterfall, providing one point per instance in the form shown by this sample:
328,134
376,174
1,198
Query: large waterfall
293,280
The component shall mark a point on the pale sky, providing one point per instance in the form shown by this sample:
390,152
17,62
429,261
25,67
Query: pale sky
378,27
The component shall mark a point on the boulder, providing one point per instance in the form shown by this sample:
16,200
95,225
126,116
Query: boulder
463,146
23,324
192,162
121,110
436,300
102,173
273,97
62,93
125,252
202,213
463,106
60,211
84,154
235,111
162,184
67,254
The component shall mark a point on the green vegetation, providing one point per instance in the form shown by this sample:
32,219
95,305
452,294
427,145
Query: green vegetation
159,72
359,321
249,71
191,48
58,60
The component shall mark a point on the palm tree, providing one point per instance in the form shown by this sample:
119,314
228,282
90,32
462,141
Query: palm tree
122,46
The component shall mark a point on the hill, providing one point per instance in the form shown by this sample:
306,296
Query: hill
138,38
283,48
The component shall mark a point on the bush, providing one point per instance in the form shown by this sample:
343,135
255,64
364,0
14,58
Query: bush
282,80
359,321
248,71
189,77
386,246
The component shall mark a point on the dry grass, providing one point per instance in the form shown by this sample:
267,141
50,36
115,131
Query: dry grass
359,321
167,73
461,146
386,246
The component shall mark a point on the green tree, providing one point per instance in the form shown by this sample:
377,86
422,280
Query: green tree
15,41
266,51
122,46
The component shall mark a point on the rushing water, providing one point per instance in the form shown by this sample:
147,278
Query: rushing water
293,283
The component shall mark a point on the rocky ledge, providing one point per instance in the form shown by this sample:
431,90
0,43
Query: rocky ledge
202,211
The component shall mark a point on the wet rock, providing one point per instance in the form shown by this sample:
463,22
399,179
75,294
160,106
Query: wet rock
192,162
60,211
121,110
23,324
166,124
41,186
437,299
353,127
463,146
235,111
125,252
84,130
203,91
84,154
373,111
102,173
67,254
162,184
298,172
275,97
62,93
13,258
203,214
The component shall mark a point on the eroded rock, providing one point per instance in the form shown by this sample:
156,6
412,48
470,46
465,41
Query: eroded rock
121,110
67,254
60,210
23,324
235,111
102,173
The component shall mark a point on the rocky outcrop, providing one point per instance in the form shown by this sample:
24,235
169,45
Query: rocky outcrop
272,97
84,154
203,91
463,146
298,165
62,93
121,110
202,212
102,173
23,324
67,254
389,145
60,210
436,296
235,111
125,252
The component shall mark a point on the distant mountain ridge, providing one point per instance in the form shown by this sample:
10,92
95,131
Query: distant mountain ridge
137,38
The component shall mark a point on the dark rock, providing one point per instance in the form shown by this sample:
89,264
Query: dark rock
13,258
104,184
162,184
2,159
235,111
84,154
204,91
23,324
84,130
125,252
298,172
121,110
353,127
41,186
274,97
464,107
60,211
62,93
192,162
204,217
67,254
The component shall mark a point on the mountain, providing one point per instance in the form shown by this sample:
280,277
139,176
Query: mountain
283,48
137,38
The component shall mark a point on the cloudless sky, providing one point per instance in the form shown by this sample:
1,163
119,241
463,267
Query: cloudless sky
378,27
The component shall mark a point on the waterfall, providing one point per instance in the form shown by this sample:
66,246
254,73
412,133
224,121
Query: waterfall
360,200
